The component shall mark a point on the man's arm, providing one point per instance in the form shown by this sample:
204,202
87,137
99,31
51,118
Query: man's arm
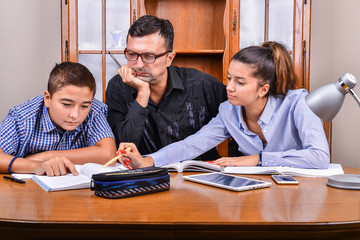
125,114
128,76
102,152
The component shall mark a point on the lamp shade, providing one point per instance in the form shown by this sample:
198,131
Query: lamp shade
327,100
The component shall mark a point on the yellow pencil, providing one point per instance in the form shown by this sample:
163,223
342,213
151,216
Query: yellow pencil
118,155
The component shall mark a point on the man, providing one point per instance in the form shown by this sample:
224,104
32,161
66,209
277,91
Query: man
65,125
152,103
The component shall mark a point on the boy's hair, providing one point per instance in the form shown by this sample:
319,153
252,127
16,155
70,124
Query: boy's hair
272,64
149,24
70,73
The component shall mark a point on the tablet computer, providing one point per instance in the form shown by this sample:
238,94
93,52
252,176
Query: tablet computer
226,181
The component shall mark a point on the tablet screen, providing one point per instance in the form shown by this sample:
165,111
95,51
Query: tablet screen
228,181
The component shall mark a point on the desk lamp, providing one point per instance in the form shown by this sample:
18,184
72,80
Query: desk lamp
326,102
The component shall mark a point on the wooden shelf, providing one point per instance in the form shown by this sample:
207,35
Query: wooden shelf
179,51
197,51
100,51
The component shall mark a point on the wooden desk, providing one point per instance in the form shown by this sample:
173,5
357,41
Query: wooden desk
189,210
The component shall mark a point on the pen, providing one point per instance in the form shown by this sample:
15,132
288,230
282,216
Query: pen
14,179
118,155
115,60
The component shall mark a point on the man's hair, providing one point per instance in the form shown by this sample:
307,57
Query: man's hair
149,24
70,73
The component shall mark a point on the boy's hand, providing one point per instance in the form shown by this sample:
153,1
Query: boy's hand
55,167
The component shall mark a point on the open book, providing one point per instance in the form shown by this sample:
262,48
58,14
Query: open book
193,166
334,168
69,181
202,166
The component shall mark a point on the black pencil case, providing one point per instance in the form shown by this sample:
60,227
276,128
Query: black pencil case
129,183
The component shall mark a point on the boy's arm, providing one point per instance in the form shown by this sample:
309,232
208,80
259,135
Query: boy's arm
51,167
102,152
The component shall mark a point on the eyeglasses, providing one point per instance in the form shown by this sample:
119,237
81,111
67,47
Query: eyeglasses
145,57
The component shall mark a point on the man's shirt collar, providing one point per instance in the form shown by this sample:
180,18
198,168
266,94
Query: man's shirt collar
174,82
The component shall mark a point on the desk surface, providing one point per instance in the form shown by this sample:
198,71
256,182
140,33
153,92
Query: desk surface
188,210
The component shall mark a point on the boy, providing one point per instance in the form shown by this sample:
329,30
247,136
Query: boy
65,125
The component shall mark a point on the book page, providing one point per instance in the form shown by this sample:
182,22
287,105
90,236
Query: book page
69,181
22,175
333,169
173,167
202,166
193,165
64,182
253,170
89,169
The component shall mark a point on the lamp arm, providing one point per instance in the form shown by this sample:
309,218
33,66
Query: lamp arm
354,96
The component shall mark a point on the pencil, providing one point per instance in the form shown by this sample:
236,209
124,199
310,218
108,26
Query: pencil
119,65
118,155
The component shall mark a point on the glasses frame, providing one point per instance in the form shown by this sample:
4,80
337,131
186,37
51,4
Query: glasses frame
141,55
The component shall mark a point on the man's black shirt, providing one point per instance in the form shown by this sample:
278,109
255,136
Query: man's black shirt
190,101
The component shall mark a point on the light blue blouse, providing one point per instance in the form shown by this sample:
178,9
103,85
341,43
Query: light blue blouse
294,134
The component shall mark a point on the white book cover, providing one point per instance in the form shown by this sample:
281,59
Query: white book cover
334,169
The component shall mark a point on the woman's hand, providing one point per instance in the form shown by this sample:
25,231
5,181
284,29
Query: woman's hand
133,158
245,161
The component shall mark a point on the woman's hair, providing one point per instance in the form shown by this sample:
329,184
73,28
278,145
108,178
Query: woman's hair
149,24
70,73
272,64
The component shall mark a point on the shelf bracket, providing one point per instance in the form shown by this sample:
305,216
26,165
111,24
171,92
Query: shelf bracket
234,21
66,51
304,65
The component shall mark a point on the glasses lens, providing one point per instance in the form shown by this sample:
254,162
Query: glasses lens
132,56
148,58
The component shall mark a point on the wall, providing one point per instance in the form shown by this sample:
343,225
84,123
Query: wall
335,50
29,47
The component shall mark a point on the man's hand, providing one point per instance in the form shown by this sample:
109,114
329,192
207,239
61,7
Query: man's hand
128,76
55,167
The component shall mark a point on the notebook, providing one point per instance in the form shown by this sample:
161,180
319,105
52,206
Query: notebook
69,181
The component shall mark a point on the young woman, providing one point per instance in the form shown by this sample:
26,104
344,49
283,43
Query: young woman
268,119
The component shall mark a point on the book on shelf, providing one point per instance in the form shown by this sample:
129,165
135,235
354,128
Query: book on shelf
203,166
69,181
